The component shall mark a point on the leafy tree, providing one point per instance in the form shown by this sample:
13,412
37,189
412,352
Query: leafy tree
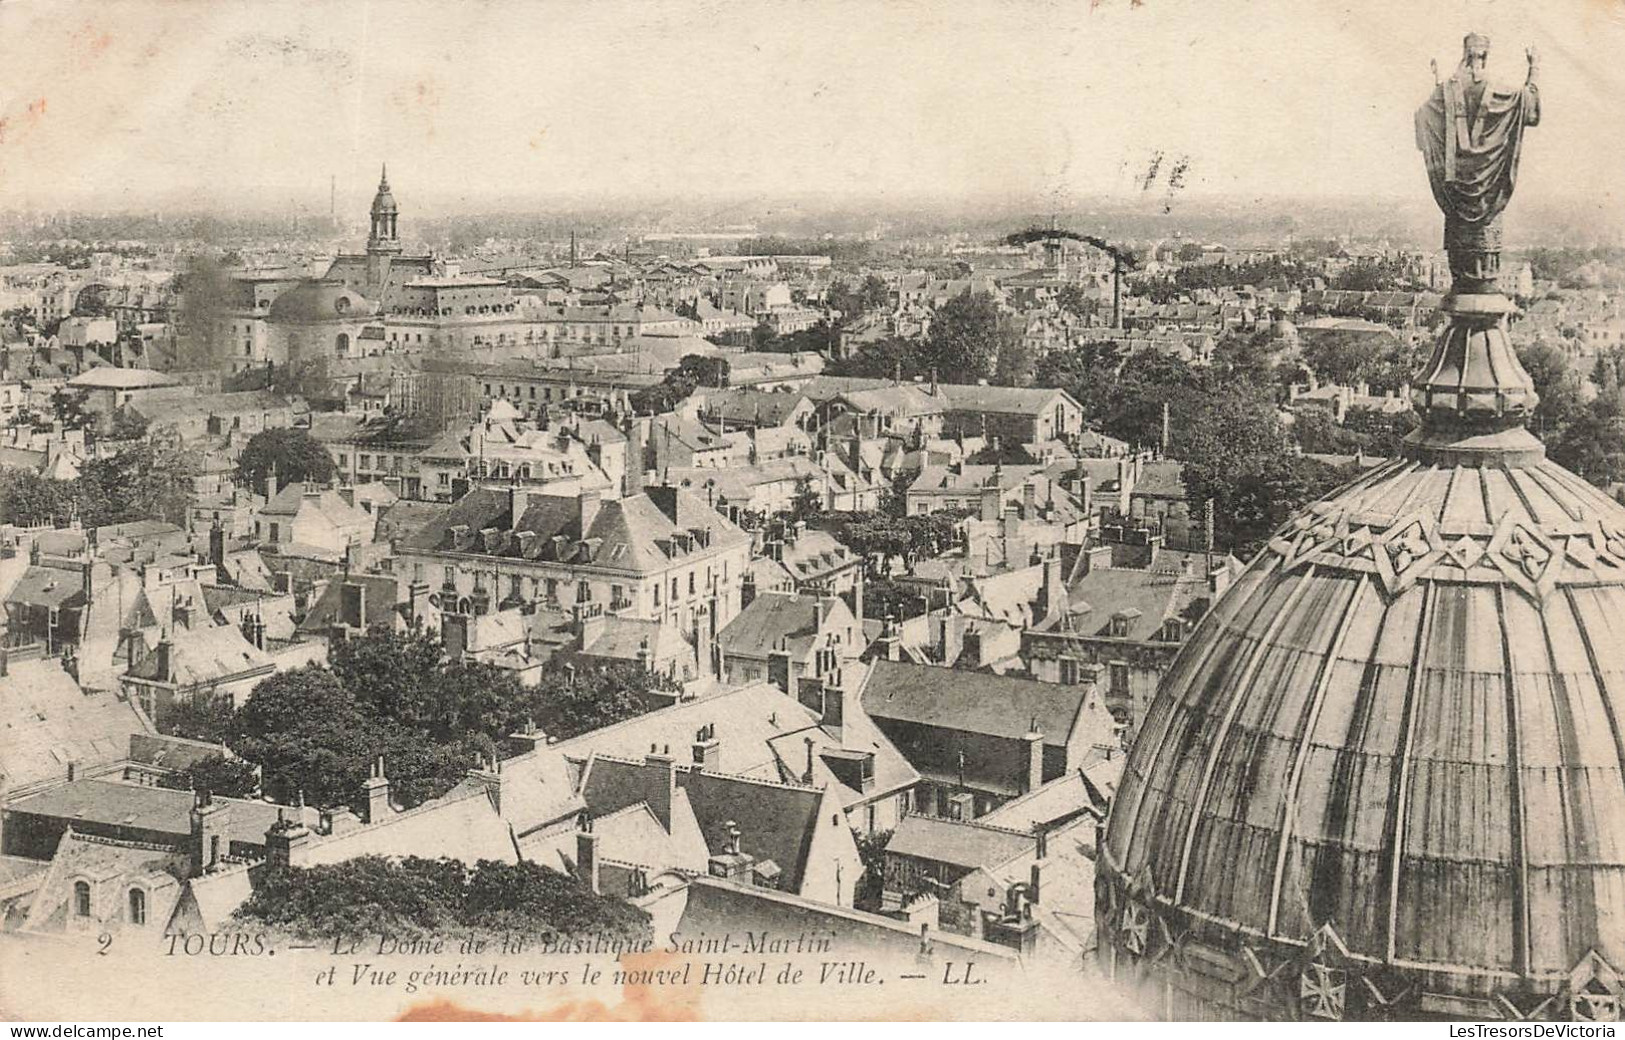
1593,443
884,598
968,333
207,719
68,408
883,359
1014,365
293,453
872,851
148,480
691,373
1074,301
228,777
308,735
573,699
28,499
1561,389
413,897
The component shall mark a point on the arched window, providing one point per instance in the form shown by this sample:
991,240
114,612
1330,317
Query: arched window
341,345
81,898
138,906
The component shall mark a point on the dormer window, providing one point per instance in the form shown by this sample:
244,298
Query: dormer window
81,898
138,906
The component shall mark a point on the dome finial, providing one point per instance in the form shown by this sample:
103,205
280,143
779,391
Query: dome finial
383,177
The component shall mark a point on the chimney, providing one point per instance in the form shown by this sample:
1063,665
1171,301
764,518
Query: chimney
71,772
1049,593
1029,502
217,550
587,858
707,748
270,483
731,863
454,635
662,785
587,505
285,842
528,739
164,654
780,671
518,502
992,504
590,623
377,790
834,715
210,843
1035,756
353,605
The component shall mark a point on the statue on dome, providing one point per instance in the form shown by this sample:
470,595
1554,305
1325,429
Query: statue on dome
1470,133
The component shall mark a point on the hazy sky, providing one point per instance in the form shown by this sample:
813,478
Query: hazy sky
117,104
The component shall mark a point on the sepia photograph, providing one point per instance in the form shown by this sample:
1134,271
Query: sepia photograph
848,510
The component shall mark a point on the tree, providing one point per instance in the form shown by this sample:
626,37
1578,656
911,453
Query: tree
573,699
967,335
1014,365
68,408
1593,443
147,480
208,719
883,359
293,453
414,897
29,500
308,736
217,774
872,851
1561,389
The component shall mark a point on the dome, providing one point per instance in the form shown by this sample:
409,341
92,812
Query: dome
319,301
1282,329
1385,777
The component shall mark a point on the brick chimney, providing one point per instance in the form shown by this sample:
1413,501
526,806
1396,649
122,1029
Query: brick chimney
730,863
661,788
285,842
1035,756
211,842
377,792
707,748
353,605
587,858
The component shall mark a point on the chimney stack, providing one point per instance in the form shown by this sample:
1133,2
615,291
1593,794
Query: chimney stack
1035,756
377,791
353,605
587,858
210,822
662,789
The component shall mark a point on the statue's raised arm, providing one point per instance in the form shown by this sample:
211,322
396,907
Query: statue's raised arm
1470,134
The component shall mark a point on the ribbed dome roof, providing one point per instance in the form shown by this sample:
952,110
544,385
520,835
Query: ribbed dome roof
320,301
1395,749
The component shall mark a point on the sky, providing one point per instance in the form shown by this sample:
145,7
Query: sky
123,104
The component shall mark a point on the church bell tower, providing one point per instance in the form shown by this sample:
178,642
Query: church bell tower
383,243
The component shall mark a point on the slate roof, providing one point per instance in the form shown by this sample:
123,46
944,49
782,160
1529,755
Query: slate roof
770,620
379,606
961,844
632,534
146,808
971,702
1003,399
45,586
47,721
203,654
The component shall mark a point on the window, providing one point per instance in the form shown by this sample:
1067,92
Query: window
583,592
81,898
138,906
691,583
1119,679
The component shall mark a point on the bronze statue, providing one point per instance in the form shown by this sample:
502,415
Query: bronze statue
1470,134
